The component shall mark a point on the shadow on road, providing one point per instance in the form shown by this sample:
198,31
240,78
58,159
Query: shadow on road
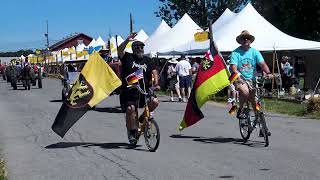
219,140
56,100
88,144
109,109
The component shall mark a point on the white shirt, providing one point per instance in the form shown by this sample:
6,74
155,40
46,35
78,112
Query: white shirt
183,68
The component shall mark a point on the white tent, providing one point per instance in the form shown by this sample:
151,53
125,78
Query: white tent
113,45
100,42
180,34
142,36
80,47
161,29
267,37
92,43
224,19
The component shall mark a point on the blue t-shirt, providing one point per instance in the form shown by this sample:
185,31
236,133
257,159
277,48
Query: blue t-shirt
246,61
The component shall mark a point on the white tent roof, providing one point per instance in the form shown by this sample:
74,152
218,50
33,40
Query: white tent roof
161,29
80,47
100,42
224,19
180,34
113,46
267,37
142,36
92,43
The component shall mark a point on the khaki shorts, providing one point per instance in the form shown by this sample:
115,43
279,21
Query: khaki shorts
247,89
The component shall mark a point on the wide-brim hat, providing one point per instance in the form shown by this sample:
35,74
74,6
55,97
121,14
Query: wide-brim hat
137,43
245,34
173,61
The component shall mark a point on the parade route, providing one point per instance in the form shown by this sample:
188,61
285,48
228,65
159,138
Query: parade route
96,147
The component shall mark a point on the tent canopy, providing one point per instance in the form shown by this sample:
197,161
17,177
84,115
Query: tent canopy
267,37
142,36
180,34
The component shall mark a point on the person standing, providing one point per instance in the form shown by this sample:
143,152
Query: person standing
184,71
173,79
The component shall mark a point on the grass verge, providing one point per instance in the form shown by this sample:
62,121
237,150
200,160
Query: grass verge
272,105
3,173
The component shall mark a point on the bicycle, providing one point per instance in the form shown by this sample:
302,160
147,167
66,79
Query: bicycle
248,124
149,127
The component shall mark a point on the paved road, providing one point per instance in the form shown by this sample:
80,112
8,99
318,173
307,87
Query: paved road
96,147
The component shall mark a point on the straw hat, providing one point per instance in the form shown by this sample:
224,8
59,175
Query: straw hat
245,34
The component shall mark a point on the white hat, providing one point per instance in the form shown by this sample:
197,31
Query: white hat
173,61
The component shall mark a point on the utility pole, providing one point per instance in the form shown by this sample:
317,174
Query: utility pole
47,35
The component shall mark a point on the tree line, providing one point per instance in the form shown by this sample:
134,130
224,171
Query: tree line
16,54
294,17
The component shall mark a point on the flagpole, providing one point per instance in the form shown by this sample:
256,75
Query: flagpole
213,45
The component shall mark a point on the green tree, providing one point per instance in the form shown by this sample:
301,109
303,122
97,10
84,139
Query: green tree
295,17
201,11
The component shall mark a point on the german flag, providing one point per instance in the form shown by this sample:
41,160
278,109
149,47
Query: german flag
95,82
211,78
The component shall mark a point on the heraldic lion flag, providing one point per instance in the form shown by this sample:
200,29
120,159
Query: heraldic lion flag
95,83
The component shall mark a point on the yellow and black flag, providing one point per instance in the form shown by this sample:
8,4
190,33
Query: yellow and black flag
95,82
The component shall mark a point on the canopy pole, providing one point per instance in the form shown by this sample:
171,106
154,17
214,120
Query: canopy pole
275,60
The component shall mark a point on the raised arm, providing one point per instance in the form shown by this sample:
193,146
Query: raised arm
123,45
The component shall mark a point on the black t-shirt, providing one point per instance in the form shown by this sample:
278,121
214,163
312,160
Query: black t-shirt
131,63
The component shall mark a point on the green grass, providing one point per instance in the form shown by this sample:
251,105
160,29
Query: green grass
271,105
2,170
283,107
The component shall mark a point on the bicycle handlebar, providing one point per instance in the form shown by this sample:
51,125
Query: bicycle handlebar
137,86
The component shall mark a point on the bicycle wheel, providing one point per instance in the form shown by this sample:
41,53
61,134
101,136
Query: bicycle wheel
245,126
264,129
152,135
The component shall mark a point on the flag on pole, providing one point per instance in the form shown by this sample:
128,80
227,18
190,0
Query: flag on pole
211,78
134,77
95,82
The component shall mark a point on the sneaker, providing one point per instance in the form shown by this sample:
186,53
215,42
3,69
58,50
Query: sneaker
171,99
180,99
184,100
132,136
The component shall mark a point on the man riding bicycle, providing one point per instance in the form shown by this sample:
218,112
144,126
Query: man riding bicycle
131,63
244,60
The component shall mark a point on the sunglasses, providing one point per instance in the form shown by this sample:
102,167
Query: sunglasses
138,47
245,39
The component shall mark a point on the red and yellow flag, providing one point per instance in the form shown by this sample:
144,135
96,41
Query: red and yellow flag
211,78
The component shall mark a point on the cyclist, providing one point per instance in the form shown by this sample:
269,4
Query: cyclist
130,63
244,60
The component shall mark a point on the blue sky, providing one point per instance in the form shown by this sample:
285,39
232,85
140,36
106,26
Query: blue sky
23,21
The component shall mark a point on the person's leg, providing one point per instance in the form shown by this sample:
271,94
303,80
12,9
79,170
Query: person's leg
243,89
177,87
189,81
131,118
171,95
182,86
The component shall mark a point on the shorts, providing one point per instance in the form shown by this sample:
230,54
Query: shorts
173,83
133,97
185,81
246,88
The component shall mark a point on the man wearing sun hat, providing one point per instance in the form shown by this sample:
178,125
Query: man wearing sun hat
243,61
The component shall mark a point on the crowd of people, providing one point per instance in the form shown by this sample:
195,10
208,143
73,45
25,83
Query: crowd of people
19,72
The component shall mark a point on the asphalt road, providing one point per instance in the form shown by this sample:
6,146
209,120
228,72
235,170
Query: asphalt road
96,147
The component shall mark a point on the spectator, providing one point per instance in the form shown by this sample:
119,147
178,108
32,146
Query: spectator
173,79
184,71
